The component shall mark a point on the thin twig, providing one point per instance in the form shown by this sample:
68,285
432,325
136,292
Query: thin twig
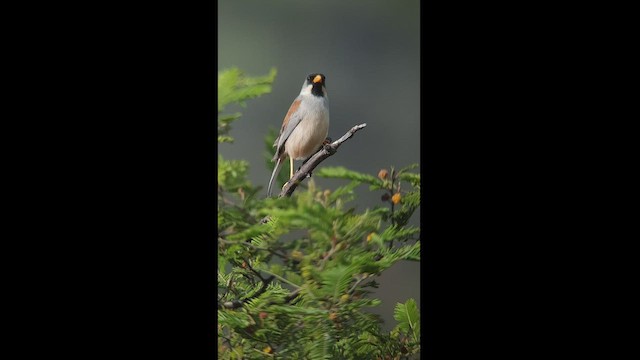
270,251
315,160
281,278
293,295
358,281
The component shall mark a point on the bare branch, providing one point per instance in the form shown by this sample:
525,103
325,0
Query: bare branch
306,169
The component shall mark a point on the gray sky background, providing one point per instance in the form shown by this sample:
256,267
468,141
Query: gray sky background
370,54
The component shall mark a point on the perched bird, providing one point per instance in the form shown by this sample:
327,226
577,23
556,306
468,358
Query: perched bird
305,126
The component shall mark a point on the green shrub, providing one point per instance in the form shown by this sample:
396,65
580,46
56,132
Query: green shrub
295,273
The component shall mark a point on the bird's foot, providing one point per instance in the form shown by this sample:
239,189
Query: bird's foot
326,145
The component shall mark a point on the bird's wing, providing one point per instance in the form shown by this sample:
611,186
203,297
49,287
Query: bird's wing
291,120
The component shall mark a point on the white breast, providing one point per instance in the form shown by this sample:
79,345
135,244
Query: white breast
307,137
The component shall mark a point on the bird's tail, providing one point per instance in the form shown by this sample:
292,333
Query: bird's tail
276,170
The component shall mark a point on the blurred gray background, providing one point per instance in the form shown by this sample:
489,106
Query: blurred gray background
370,54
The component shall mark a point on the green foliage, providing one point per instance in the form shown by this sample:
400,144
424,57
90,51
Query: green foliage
235,87
295,274
232,173
408,329
408,318
391,185
336,280
343,173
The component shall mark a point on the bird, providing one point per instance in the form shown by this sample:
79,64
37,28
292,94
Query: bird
305,126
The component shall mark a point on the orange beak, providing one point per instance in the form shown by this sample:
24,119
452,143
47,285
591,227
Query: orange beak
317,79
